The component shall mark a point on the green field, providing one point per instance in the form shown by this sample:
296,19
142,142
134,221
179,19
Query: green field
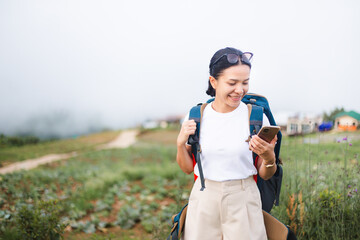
132,193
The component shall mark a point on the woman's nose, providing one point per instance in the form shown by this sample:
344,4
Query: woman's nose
239,90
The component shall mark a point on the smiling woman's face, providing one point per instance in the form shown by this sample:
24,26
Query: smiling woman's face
231,86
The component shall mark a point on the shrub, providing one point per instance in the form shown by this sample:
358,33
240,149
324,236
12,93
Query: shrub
128,217
18,141
331,216
133,175
40,221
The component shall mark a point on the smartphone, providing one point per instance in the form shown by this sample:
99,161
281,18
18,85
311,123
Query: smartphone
268,133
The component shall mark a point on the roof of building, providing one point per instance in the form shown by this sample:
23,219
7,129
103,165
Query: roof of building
352,114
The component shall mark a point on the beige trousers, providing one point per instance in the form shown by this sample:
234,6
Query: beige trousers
229,210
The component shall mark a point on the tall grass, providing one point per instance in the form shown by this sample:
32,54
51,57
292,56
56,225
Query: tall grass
319,198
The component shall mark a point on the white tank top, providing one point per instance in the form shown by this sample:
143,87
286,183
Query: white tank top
225,154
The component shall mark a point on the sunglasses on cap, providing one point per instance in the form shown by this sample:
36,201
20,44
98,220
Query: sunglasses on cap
234,58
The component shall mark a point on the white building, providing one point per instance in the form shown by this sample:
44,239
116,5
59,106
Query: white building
298,125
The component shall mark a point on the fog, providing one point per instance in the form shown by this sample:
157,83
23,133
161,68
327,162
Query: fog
72,67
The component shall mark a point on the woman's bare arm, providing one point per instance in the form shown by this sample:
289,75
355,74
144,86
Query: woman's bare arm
183,156
184,159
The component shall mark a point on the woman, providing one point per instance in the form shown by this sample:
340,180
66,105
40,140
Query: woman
230,206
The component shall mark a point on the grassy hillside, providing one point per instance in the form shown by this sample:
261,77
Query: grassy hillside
132,193
83,143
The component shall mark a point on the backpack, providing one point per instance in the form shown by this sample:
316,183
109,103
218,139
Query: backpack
257,105
178,224
269,189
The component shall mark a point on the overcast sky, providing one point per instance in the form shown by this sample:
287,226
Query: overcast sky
80,64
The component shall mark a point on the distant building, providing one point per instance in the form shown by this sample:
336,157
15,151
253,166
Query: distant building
281,119
347,121
163,123
302,125
150,124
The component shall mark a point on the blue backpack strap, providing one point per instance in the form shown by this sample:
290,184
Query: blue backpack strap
210,100
256,119
196,114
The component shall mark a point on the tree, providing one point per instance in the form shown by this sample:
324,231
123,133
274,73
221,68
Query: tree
332,114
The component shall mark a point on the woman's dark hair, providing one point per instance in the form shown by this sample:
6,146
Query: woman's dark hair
216,69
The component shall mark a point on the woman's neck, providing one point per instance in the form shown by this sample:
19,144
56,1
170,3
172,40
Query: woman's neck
221,107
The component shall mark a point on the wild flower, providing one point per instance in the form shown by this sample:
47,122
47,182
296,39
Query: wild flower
350,144
302,209
349,186
355,190
291,211
345,139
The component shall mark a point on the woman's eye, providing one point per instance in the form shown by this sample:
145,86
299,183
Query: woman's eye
232,84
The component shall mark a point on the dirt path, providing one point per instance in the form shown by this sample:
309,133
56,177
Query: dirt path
124,140
33,163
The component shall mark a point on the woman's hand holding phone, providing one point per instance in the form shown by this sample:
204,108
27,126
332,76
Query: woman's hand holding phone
262,148
268,133
263,144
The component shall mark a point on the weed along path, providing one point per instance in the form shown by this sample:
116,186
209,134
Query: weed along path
125,139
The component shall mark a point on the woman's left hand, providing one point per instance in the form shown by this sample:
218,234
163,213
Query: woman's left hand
264,149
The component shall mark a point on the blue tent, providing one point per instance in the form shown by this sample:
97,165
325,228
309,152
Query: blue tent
325,126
